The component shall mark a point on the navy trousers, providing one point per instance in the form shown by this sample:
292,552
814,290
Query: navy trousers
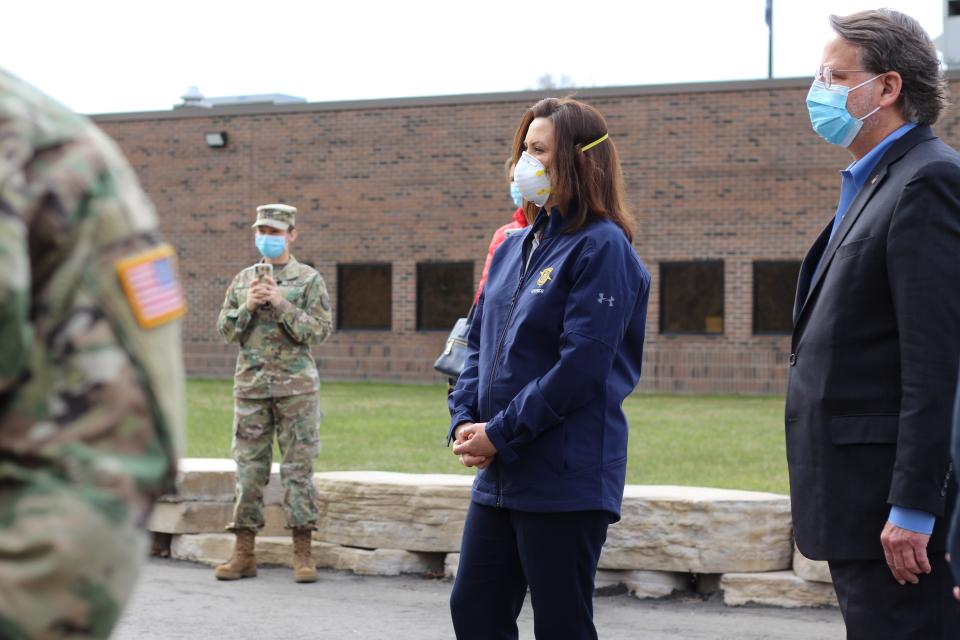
874,605
503,551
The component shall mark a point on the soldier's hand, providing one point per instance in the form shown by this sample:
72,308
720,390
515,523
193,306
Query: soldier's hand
270,290
255,297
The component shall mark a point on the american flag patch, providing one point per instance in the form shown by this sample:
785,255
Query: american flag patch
150,281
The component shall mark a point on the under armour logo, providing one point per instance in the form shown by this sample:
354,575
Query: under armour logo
601,299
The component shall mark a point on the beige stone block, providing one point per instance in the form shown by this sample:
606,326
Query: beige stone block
700,530
212,549
384,562
205,548
776,589
643,584
207,517
278,550
384,510
213,480
215,548
450,565
812,570
654,584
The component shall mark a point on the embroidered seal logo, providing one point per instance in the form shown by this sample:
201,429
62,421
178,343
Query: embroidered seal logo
544,276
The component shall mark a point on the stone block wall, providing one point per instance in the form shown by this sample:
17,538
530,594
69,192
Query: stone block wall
380,523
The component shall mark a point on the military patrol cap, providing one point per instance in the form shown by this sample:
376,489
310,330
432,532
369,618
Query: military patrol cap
278,216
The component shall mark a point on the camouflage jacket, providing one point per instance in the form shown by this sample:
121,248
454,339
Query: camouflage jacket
275,359
91,376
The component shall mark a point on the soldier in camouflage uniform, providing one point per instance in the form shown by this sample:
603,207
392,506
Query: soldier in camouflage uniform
91,377
275,319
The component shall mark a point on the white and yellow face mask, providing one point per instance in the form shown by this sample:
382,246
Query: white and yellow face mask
532,179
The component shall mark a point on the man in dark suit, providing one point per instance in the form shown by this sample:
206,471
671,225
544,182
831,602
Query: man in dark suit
876,340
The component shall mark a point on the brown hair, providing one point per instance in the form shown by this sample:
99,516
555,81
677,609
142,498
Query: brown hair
892,41
586,184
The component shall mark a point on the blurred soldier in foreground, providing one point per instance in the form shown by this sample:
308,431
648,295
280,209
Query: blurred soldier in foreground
275,309
91,378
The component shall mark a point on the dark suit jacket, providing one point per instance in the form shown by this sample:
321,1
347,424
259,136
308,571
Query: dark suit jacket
875,354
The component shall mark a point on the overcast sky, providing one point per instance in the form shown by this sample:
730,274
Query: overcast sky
110,55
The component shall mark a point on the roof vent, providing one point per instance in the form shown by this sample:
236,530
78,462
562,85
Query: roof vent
193,98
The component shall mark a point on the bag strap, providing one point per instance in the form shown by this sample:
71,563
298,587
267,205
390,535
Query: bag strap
470,313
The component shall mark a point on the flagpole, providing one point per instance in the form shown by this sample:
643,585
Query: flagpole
769,18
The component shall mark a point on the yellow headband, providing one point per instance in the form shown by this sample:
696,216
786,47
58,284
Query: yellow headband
594,143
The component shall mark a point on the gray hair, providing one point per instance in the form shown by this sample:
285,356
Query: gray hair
892,41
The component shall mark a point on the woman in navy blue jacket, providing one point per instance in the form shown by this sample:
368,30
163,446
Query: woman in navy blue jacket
555,346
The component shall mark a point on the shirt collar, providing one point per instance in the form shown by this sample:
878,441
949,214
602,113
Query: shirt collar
554,223
860,169
290,268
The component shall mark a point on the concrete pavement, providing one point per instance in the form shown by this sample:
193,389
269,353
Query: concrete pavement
182,601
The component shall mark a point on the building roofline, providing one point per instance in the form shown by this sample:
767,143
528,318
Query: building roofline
466,99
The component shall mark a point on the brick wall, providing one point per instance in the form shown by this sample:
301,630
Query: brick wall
725,171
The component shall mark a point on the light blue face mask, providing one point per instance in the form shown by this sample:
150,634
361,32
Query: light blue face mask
515,194
829,115
270,246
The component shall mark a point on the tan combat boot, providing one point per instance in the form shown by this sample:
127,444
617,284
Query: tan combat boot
304,566
243,563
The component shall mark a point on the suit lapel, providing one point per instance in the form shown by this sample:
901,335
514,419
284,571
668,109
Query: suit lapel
853,212
874,182
807,268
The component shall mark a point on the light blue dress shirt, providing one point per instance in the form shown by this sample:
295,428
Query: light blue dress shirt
855,176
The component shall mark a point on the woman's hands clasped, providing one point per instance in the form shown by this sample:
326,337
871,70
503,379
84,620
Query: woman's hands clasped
472,445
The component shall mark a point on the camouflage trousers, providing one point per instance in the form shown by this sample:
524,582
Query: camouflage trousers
69,556
294,420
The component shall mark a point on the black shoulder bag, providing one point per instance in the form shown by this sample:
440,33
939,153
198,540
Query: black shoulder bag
454,355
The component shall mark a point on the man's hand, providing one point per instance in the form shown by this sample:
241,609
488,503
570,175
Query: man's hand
472,446
906,553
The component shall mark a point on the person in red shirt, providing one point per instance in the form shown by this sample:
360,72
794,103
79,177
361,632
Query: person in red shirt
519,221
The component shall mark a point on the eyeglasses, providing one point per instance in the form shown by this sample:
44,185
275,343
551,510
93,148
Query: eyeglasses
825,74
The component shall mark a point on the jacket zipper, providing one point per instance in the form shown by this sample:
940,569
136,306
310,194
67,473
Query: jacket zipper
496,357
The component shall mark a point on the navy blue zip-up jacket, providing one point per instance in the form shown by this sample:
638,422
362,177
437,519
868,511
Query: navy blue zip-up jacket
553,351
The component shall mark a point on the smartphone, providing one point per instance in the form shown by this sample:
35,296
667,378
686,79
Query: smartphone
263,269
